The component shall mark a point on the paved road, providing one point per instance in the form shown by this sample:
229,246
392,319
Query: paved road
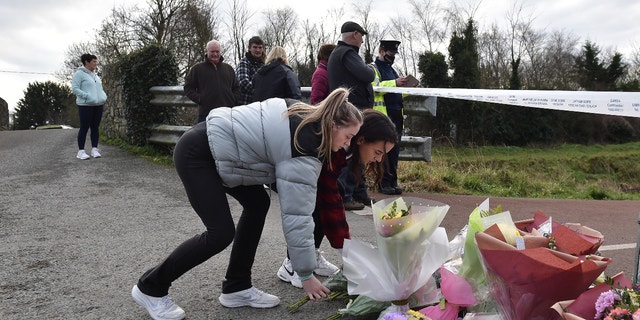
75,235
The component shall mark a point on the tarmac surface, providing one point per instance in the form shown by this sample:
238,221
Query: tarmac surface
75,235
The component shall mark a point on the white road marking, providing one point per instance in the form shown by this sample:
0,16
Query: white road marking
617,247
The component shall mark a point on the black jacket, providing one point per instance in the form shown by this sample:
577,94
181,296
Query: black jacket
347,69
212,86
275,80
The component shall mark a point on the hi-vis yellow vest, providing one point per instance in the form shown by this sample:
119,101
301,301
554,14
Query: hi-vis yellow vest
378,97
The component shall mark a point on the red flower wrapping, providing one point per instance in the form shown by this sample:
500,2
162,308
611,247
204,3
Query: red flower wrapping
526,283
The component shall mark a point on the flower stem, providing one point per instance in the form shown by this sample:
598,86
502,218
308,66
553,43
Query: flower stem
294,307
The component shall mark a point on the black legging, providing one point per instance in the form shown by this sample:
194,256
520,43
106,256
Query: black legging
196,168
90,117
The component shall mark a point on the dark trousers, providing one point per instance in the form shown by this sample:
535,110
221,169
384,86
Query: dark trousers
90,117
351,188
390,177
197,170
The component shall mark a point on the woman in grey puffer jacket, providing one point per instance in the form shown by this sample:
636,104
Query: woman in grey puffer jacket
236,151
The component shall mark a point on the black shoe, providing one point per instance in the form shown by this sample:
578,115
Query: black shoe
398,190
366,201
387,190
353,205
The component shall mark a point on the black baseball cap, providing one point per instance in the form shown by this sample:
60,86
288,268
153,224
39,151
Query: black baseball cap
351,26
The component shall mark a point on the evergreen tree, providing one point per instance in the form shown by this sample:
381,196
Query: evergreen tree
434,69
43,103
463,116
593,75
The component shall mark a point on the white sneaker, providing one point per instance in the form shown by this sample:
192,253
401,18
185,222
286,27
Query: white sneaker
325,268
251,297
159,308
95,153
82,155
286,274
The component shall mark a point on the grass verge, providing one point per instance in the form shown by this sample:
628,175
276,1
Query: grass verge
563,172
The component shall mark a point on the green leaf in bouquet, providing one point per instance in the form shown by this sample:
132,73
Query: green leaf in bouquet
491,212
363,305
392,213
337,282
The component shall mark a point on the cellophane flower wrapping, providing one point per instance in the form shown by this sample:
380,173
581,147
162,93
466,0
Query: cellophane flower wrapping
526,283
409,250
571,238
584,307
472,268
457,293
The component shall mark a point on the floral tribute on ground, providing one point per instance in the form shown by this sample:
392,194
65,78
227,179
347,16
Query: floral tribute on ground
494,268
410,248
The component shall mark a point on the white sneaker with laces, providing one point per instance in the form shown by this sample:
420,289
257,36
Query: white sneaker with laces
286,274
251,297
325,268
159,308
95,153
82,155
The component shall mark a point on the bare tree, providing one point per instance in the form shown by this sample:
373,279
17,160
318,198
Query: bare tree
634,63
557,61
117,34
363,12
184,26
198,24
493,49
456,17
336,18
312,40
430,22
401,29
239,16
72,60
280,30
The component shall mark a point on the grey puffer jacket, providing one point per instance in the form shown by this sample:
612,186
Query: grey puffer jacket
253,145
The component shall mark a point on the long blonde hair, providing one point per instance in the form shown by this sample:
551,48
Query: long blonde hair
335,110
277,53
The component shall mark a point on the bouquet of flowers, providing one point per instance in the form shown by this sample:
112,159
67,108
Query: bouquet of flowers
481,218
571,238
613,298
410,248
527,282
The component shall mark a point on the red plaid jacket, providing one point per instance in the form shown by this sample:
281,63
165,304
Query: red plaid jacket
329,201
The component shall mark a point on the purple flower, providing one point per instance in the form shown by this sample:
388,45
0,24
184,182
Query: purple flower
605,301
396,315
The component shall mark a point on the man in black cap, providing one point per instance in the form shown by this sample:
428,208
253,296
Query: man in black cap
391,104
346,68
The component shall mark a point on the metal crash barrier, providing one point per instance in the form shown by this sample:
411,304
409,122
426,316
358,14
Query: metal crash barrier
411,148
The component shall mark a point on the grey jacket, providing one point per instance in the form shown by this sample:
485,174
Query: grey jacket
252,145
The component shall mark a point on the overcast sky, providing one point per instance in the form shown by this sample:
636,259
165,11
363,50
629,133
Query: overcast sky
35,34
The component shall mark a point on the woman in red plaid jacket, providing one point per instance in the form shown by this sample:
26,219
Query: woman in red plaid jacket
370,146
